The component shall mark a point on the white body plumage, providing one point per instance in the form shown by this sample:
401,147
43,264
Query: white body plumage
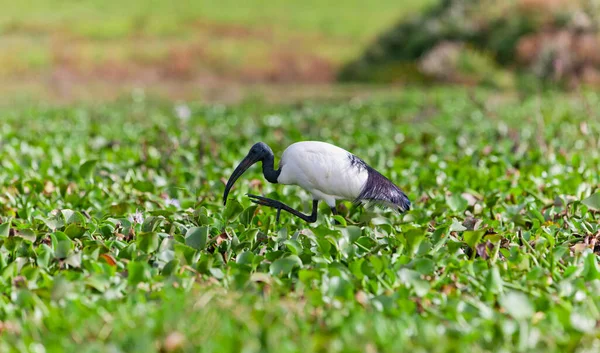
324,170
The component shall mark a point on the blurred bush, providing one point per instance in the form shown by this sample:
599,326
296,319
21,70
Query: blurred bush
485,42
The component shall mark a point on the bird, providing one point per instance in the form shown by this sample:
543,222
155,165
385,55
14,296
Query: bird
326,171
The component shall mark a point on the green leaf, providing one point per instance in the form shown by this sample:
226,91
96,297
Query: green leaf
414,237
170,268
75,230
61,244
517,305
247,215
294,246
592,202
27,234
473,237
5,229
341,220
457,203
493,237
285,265
340,287
232,210
73,217
86,169
137,272
184,253
457,226
197,237
352,233
44,255
590,267
147,242
144,186
150,223
424,266
583,322
494,281
245,258
377,264
54,222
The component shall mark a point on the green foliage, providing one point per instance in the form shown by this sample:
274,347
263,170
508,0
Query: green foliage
487,36
136,252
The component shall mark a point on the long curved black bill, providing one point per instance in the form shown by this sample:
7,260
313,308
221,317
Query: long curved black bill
241,168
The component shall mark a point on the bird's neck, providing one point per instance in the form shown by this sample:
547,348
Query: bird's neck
270,173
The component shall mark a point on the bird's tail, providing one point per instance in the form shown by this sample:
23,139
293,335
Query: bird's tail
381,192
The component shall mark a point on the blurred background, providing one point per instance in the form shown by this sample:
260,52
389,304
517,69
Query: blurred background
226,50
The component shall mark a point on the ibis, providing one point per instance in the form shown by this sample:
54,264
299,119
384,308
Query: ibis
326,171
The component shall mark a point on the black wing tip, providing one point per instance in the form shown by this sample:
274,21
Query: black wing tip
380,191
400,205
404,205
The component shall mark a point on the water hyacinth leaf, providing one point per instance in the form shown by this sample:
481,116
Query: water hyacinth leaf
86,169
494,280
413,237
5,229
293,246
352,233
151,223
247,215
143,186
197,237
74,259
245,258
119,209
249,235
493,238
232,210
341,220
590,267
74,230
377,264
457,226
424,266
340,287
184,253
216,272
170,268
457,203
473,237
61,244
137,272
517,305
61,288
147,241
592,202
54,222
27,234
283,266
71,216
44,255
583,322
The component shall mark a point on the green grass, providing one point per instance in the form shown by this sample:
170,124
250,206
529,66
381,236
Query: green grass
497,254
79,45
348,19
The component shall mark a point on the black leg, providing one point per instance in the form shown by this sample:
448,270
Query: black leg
281,206
334,212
